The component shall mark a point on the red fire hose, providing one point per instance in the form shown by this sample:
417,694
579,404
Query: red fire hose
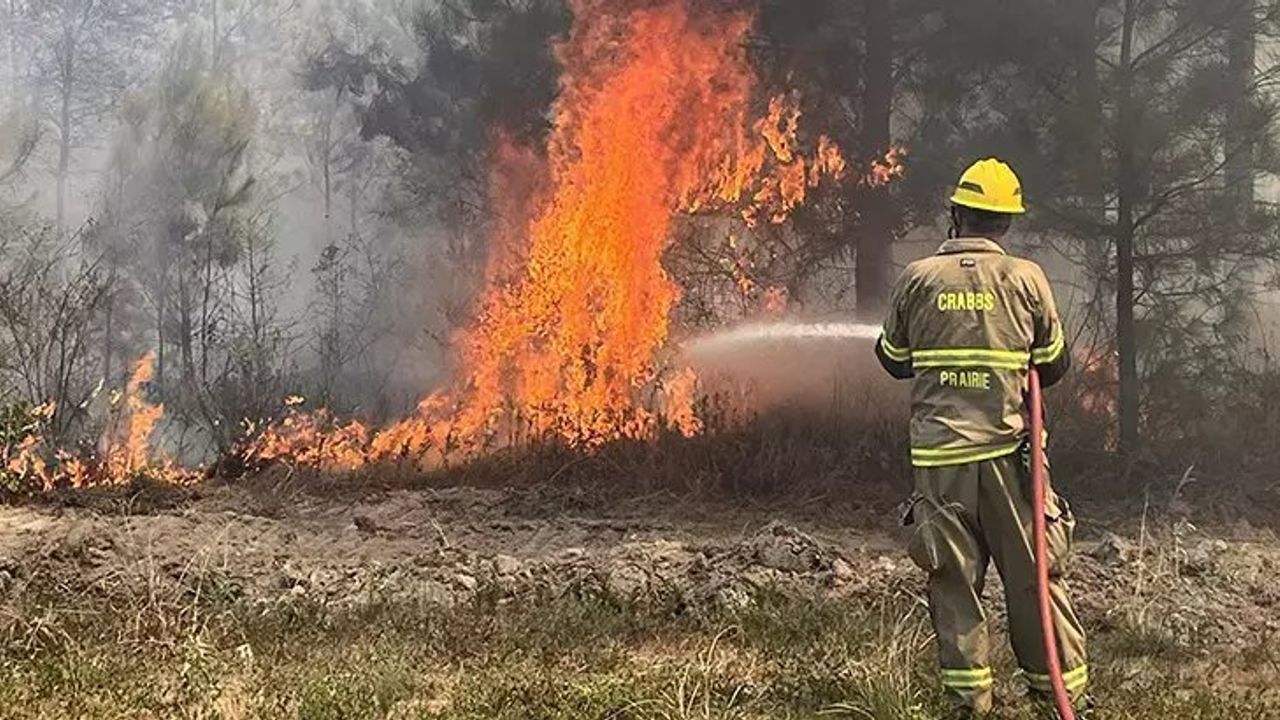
1039,492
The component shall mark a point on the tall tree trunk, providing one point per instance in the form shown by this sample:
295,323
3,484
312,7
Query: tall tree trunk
1085,147
255,323
326,164
1126,325
11,49
356,177
1087,118
875,232
185,331
328,193
161,356
1239,137
206,304
108,340
215,49
64,129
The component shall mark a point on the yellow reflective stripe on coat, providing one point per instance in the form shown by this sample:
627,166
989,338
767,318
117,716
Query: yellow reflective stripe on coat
927,457
1044,356
893,352
1075,680
972,679
968,357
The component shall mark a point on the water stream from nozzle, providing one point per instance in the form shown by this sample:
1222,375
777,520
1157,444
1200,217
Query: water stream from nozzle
778,333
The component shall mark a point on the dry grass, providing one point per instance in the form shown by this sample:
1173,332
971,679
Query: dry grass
196,656
883,683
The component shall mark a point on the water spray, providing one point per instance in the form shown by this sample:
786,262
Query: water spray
779,332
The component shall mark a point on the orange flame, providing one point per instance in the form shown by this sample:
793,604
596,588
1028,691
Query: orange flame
124,454
310,439
653,119
887,169
776,191
129,451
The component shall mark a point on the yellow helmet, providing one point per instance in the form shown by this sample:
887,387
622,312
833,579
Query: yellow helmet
992,186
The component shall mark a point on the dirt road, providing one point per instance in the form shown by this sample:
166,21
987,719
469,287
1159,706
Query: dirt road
269,542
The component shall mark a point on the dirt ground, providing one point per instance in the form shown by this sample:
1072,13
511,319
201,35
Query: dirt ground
269,541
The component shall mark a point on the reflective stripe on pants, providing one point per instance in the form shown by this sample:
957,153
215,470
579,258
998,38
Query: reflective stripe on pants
963,518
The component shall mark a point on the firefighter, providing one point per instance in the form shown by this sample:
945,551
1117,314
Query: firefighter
965,325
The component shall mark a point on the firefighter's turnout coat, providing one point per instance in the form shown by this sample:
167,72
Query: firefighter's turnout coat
964,326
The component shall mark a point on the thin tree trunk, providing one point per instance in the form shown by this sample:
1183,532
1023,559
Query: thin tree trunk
875,236
255,321
335,337
1088,118
206,334
11,21
161,356
1238,140
328,196
215,51
64,131
355,179
108,346
1126,325
326,138
185,330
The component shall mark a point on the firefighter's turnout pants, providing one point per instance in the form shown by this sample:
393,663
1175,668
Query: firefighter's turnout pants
963,517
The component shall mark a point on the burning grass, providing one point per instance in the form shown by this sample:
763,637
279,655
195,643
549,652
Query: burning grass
123,453
792,453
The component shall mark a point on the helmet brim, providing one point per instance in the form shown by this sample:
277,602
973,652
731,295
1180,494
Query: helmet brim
989,207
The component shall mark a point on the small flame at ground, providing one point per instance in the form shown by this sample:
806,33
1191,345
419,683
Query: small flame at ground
124,451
